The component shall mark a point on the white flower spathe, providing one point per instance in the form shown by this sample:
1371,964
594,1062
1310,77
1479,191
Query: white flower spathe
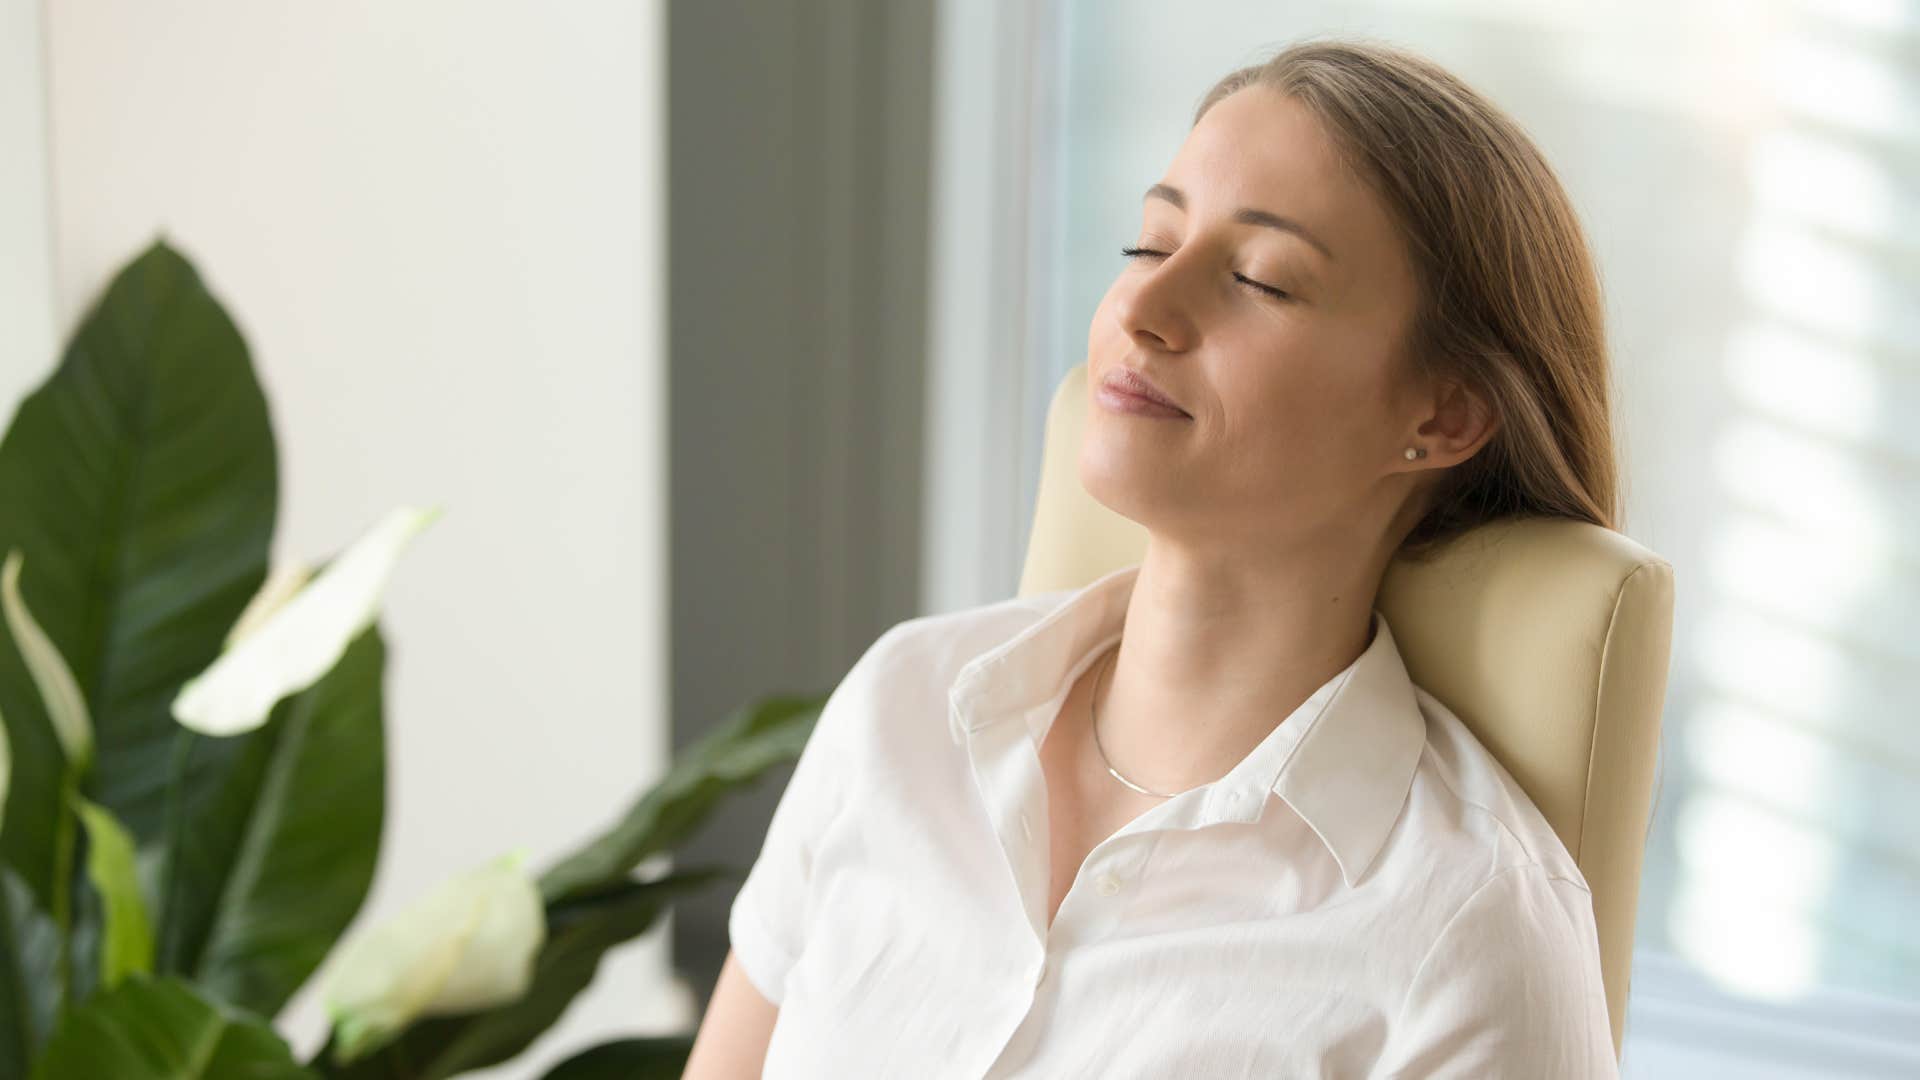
60,693
283,583
469,944
293,633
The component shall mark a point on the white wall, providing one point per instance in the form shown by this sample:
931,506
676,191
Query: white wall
441,228
26,290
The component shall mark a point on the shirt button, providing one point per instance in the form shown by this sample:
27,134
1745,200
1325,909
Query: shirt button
1108,884
1040,973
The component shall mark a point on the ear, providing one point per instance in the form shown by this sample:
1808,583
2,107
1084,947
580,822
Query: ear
1461,422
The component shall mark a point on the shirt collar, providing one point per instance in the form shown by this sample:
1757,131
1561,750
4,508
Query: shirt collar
1343,760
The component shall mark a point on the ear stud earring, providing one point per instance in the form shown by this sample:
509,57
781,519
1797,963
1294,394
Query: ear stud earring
1413,453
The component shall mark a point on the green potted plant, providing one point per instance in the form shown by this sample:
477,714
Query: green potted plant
192,756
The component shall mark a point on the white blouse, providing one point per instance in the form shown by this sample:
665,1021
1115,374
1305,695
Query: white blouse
1397,908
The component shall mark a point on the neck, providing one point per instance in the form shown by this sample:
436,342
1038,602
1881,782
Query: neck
1214,655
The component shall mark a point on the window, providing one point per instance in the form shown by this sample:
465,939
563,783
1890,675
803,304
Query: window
1750,180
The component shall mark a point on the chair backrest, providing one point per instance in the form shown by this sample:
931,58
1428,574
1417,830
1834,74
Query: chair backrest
1548,638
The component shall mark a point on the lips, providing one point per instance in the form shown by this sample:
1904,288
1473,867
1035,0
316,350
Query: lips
1128,381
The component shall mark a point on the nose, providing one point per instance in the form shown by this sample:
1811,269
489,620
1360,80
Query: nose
1154,307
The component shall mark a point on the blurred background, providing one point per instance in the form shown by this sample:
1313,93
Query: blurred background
724,331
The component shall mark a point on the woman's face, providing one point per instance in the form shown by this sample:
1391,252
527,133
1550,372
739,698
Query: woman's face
1297,416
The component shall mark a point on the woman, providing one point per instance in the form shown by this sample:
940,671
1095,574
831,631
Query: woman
1193,819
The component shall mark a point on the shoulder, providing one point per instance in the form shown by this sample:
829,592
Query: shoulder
926,652
895,696
1494,825
1505,976
1511,986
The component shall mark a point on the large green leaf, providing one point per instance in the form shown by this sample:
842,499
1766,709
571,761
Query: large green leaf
579,933
273,862
750,741
662,1057
139,482
159,1029
29,962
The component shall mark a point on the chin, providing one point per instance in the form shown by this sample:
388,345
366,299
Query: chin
1121,478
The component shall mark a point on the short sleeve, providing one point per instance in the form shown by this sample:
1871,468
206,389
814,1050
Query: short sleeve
766,920
1510,988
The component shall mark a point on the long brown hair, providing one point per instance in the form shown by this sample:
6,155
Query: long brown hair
1510,301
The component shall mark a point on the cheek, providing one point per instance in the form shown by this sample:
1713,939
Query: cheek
1277,395
1296,420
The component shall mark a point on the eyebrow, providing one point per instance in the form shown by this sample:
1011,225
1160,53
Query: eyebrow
1247,215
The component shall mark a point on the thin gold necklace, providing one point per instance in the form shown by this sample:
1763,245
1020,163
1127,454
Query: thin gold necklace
1094,722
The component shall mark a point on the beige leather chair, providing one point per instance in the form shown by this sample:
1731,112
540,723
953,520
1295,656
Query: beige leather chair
1548,638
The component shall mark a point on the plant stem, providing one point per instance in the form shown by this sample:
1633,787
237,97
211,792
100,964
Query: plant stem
165,960
63,841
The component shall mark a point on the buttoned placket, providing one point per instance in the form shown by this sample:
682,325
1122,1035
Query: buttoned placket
1101,894
1007,771
1004,757
1013,786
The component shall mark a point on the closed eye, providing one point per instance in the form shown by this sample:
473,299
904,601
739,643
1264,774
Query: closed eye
1141,253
